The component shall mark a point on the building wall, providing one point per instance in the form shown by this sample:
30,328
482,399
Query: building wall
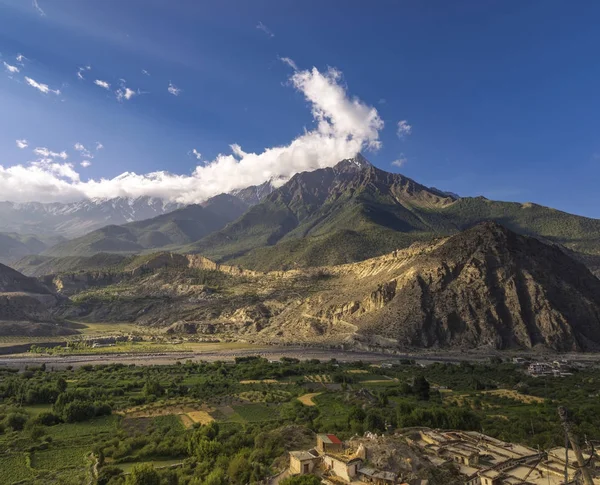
341,469
328,447
297,466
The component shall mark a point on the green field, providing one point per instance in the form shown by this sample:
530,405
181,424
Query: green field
129,415
249,413
14,468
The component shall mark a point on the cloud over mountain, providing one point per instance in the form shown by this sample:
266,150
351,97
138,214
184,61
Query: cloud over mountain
344,125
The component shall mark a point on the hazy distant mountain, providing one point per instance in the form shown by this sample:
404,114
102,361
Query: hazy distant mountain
14,246
77,218
179,227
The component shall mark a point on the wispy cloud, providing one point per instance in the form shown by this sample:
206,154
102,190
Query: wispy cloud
86,164
40,86
99,146
22,143
197,154
11,69
343,126
289,62
83,150
102,84
265,29
47,153
404,129
81,70
21,59
145,73
174,90
400,161
36,5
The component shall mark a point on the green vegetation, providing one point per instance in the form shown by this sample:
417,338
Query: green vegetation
135,425
308,223
181,226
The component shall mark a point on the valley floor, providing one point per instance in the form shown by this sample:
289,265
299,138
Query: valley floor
228,352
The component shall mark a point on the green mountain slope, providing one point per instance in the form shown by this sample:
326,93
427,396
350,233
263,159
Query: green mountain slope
39,265
179,227
14,246
354,211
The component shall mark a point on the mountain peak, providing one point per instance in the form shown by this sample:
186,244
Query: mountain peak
356,163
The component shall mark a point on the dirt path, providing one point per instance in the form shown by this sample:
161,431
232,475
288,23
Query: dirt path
307,399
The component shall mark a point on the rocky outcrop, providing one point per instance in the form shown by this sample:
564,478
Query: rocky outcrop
486,287
24,303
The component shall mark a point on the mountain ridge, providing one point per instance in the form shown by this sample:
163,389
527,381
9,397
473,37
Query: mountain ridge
178,227
486,287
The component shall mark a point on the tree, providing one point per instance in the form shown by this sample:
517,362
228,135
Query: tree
61,385
143,474
421,388
77,410
108,472
374,422
239,470
47,418
216,477
16,421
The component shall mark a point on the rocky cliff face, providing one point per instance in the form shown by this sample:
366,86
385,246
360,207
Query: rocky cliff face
486,287
24,300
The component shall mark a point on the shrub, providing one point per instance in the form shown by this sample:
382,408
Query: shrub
47,419
16,421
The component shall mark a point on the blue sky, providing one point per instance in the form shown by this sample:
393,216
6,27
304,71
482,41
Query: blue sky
501,96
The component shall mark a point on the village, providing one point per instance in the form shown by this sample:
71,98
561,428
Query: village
477,458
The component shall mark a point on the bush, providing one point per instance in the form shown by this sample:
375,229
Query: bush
47,419
143,475
16,421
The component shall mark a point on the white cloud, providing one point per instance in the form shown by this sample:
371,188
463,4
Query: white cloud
99,146
83,150
174,90
40,86
46,153
60,170
197,154
102,84
400,161
11,69
86,164
404,129
289,62
265,29
145,73
22,143
124,92
36,5
344,126
21,59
